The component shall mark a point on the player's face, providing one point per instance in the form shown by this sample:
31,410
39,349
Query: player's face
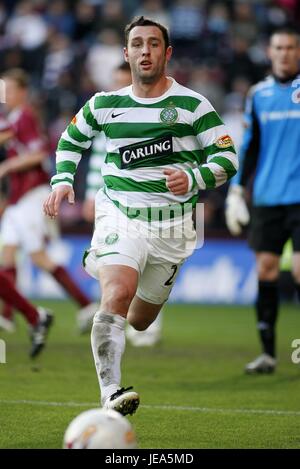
14,94
284,52
147,54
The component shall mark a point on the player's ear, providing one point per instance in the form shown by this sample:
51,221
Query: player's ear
169,52
125,51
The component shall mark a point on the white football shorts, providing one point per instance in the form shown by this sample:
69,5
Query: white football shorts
25,225
118,240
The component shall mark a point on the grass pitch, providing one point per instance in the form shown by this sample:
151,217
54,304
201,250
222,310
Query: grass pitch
193,391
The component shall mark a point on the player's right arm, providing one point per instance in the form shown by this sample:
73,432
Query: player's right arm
236,212
75,139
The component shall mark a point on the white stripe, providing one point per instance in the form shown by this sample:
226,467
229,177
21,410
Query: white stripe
219,172
58,177
63,155
148,199
179,408
83,145
229,156
144,174
210,136
132,115
199,179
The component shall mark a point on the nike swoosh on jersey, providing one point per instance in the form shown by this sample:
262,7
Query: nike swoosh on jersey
116,115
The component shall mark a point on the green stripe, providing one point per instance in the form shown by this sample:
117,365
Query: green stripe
129,185
208,177
177,157
191,172
107,254
213,149
75,133
64,145
226,165
66,179
66,167
208,121
150,214
85,254
189,103
90,119
146,130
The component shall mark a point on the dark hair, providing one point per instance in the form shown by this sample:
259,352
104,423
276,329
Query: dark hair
141,21
290,30
18,75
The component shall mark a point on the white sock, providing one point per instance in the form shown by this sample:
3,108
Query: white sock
108,345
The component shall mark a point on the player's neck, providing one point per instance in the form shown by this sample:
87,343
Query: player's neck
151,90
284,78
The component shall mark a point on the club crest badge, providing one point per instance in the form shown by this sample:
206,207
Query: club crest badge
169,115
112,238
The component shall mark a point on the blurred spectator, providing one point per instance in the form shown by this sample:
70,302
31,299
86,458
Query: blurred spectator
28,29
58,58
187,24
103,57
154,10
59,18
86,21
203,81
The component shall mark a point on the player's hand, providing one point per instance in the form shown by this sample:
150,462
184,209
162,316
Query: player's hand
236,211
177,181
88,210
55,198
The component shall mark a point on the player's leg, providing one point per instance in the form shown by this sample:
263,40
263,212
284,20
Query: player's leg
35,228
43,261
148,337
294,216
118,286
296,271
9,270
10,241
38,318
154,288
267,237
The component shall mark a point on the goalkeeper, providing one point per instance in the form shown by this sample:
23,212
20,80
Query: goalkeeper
271,152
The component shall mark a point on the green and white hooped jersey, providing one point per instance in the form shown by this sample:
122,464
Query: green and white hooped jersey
178,130
94,179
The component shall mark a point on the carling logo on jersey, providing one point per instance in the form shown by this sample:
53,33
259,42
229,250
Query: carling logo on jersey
136,154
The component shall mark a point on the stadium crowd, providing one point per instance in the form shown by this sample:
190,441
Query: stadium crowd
70,49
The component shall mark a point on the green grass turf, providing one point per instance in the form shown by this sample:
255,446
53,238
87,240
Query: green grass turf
198,365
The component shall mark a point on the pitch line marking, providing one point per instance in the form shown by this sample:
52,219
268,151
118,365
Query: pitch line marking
158,407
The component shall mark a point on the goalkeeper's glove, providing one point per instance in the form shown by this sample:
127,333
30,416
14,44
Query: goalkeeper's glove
236,210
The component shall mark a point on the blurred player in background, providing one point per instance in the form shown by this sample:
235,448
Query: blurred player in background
94,182
38,318
23,223
271,152
164,142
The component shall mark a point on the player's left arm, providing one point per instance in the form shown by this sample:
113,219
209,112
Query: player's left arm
5,135
22,162
221,162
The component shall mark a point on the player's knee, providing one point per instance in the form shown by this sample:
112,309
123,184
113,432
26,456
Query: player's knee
116,297
268,268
